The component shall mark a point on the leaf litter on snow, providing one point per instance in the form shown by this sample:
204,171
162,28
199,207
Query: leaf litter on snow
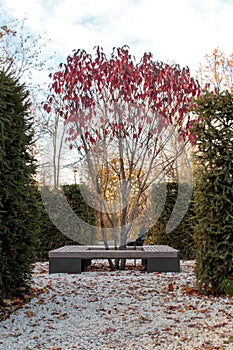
106,307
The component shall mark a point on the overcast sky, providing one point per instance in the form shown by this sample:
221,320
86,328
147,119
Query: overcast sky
176,30
173,30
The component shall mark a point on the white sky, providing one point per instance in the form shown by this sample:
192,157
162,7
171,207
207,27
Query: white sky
176,30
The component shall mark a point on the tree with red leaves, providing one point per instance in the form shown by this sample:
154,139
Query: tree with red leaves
116,108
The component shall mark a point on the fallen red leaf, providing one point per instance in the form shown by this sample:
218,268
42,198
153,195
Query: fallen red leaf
30,313
170,287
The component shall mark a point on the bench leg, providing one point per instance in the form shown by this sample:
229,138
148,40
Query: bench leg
65,265
163,265
85,263
144,262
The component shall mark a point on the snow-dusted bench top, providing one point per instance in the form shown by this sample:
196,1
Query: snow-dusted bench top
73,259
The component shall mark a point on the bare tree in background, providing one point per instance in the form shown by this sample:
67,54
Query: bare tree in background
217,71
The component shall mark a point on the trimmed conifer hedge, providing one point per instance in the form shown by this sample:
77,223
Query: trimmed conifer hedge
182,237
50,237
19,210
214,193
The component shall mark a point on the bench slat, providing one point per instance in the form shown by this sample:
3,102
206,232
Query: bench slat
94,252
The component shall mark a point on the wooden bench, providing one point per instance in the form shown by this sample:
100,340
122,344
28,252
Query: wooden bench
74,259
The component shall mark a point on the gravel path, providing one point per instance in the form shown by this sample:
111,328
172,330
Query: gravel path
123,310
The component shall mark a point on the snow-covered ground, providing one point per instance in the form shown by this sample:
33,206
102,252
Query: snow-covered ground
119,310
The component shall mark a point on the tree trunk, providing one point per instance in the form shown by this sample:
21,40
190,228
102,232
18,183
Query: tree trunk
111,265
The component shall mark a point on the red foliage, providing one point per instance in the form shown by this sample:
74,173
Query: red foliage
114,94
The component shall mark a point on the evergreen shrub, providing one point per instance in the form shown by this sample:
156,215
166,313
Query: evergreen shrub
19,209
214,192
50,237
181,237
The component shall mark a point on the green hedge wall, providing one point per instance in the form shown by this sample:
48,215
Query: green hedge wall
19,209
180,238
214,192
50,237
